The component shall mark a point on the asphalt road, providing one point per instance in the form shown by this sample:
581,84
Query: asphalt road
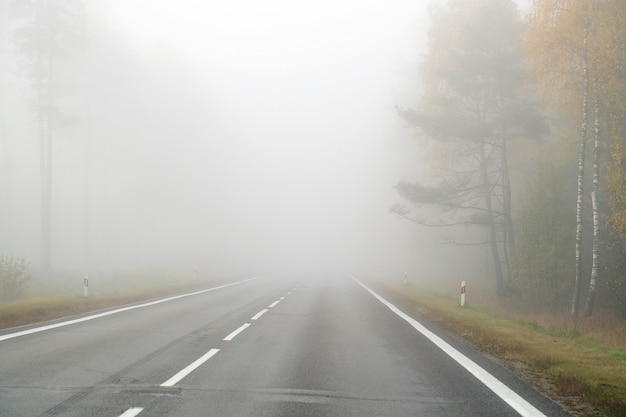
271,346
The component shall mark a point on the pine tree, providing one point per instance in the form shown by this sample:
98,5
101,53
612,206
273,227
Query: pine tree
475,77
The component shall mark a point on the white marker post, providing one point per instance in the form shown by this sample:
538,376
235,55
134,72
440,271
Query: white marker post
463,294
406,279
86,286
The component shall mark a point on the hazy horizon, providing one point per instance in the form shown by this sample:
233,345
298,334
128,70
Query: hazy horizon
233,135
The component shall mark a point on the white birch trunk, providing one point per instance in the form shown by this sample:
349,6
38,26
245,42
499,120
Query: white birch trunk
581,177
596,214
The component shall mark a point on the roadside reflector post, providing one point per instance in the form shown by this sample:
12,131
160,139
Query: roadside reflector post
406,279
86,286
462,293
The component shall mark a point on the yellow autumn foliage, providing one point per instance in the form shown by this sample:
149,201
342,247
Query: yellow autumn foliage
568,40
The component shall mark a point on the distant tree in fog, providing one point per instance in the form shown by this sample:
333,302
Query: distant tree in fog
49,34
476,101
4,30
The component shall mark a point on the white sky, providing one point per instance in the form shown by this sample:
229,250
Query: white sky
311,61
281,50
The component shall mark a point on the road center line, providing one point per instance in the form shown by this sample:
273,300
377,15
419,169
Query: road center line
119,310
259,314
273,304
523,407
132,412
236,332
189,369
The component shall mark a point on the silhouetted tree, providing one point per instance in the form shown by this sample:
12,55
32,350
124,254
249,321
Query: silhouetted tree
50,32
476,101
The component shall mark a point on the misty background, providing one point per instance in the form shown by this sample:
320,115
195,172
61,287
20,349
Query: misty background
223,137
205,137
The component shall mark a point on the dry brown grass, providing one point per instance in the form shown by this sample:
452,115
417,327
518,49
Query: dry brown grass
604,327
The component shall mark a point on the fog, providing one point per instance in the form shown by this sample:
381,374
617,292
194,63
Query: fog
227,137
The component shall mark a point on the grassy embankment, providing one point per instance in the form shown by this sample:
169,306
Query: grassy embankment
583,369
63,300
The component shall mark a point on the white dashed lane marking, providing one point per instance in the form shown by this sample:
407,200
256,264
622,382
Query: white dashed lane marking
236,332
189,369
132,412
259,314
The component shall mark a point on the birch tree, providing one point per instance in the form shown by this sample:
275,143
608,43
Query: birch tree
573,47
558,41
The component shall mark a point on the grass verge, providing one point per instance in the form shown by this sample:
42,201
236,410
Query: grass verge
586,377
50,307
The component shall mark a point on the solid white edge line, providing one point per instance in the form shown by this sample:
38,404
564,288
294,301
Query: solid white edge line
523,407
132,412
236,332
189,369
259,314
273,304
119,310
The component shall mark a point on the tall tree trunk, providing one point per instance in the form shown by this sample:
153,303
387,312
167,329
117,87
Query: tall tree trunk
491,221
48,181
47,107
581,177
86,192
4,157
509,236
595,257
43,112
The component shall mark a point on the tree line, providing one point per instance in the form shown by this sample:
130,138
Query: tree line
509,97
79,108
